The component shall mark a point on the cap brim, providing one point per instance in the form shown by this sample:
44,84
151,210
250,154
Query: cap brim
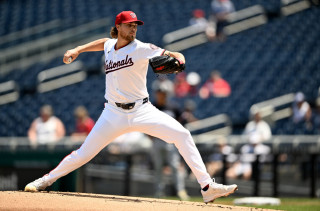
137,21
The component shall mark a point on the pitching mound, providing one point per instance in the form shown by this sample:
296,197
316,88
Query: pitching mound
18,200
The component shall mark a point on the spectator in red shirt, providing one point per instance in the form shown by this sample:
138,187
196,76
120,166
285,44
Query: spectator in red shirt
216,86
181,86
84,123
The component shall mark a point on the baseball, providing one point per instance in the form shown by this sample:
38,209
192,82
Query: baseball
69,60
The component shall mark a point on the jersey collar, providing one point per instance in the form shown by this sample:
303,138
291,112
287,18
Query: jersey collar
115,48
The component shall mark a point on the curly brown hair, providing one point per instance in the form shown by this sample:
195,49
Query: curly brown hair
114,32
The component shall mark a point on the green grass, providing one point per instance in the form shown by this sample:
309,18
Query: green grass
289,204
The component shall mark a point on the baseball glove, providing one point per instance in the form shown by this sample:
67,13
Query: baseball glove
166,65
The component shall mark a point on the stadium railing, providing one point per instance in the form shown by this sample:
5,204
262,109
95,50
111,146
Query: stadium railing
9,92
60,76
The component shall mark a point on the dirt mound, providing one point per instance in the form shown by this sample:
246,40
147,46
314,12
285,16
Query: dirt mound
18,200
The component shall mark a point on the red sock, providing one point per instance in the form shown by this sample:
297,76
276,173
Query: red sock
205,188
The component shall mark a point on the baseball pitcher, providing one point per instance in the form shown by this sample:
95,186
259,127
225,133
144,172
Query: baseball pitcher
127,106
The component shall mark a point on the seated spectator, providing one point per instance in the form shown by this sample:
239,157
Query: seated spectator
218,19
248,155
164,82
46,128
257,126
198,19
301,110
193,79
84,124
256,131
216,86
187,115
181,86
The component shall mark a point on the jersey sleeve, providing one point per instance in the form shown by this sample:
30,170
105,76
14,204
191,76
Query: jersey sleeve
105,44
150,50
108,44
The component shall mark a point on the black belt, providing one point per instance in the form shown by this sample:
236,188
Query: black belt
128,106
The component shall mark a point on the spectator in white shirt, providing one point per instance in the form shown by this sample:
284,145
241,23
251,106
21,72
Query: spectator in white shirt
46,128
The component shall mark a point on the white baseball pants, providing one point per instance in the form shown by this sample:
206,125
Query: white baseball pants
144,118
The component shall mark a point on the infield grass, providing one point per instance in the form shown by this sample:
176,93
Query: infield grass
289,204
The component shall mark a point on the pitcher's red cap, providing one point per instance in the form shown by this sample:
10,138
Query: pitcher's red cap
127,17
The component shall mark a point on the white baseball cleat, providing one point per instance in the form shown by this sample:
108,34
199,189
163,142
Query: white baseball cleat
216,190
37,185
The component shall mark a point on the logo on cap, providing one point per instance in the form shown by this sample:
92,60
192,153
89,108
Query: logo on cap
133,15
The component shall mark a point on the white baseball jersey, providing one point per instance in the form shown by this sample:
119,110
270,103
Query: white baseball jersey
126,70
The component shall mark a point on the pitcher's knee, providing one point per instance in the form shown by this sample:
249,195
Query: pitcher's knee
187,133
184,136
